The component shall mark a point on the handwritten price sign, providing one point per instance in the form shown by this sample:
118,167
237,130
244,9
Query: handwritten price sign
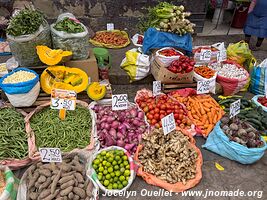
156,88
204,87
119,102
205,55
50,154
235,108
168,124
63,99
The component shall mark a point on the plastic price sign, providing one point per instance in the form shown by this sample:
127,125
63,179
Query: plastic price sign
205,55
156,88
50,154
63,99
119,102
203,87
168,124
110,26
235,108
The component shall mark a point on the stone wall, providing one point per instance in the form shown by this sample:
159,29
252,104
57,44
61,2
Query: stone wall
123,13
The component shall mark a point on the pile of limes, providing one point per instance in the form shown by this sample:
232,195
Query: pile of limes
112,168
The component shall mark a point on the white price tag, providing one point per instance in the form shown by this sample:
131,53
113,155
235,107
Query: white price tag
221,56
204,87
168,124
63,99
50,154
235,108
205,55
119,102
156,88
110,27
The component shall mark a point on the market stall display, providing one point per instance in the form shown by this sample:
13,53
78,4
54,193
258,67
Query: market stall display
75,132
8,184
182,65
236,140
168,18
69,34
113,169
21,87
15,145
62,77
26,30
65,180
123,128
203,110
162,159
110,39
231,76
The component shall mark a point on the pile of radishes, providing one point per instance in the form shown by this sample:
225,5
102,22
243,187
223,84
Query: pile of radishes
123,128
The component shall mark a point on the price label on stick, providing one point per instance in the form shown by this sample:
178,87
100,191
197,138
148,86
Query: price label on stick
50,154
168,124
156,88
235,108
205,55
110,27
63,99
203,87
119,102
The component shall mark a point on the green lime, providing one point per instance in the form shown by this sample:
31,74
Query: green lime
122,178
104,162
99,177
127,178
112,174
105,172
95,166
121,152
103,153
110,169
116,167
122,170
117,173
120,161
110,159
114,162
127,166
100,173
108,164
108,154
127,172
101,169
126,162
124,183
96,161
117,158
116,179
124,157
106,183
108,176
121,165
115,185
110,187
120,186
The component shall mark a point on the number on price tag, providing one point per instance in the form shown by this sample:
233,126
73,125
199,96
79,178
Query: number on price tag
221,56
63,99
205,55
156,88
50,154
235,108
119,102
110,27
204,87
168,124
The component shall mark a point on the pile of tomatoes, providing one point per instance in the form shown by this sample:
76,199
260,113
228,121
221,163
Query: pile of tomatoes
263,101
181,66
169,52
156,108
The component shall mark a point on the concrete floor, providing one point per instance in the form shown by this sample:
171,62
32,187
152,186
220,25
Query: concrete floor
235,176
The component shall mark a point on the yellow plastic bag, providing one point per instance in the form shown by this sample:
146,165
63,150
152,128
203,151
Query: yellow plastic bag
111,46
136,65
239,52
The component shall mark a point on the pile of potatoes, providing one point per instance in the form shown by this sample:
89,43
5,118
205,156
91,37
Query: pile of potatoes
59,181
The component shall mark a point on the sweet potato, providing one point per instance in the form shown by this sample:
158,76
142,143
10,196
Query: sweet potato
66,191
79,191
67,184
66,179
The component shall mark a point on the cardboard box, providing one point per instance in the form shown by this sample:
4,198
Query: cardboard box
162,74
89,66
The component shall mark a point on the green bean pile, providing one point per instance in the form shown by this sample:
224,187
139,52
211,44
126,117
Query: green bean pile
71,133
13,142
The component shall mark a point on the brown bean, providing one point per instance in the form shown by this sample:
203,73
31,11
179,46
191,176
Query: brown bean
45,172
79,177
41,179
76,197
55,181
67,184
45,184
66,191
89,188
52,196
79,191
65,179
71,195
44,194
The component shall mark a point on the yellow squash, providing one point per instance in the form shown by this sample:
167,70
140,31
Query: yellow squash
52,56
96,91
66,78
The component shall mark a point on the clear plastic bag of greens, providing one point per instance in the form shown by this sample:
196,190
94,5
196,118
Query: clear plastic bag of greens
23,47
78,43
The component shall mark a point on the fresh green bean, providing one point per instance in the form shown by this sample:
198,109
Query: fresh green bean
73,132
13,143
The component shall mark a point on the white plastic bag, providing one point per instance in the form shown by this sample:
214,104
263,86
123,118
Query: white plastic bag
136,64
167,60
78,43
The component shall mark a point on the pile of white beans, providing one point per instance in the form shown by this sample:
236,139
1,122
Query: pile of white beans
19,77
229,70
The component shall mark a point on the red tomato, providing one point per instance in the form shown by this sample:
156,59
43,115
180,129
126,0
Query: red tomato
150,107
178,121
156,110
146,109
157,116
149,116
163,107
161,116
143,105
176,116
153,121
181,116
169,111
151,112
